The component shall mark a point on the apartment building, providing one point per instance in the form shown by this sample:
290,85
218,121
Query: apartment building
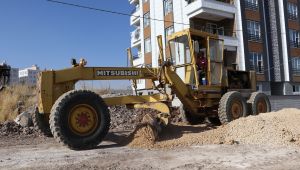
14,76
260,35
29,75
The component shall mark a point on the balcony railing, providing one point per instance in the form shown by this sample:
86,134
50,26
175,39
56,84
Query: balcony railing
295,44
136,35
296,71
292,16
258,69
225,1
218,31
254,37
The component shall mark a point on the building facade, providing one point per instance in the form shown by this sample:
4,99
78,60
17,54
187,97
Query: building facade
29,75
14,76
260,35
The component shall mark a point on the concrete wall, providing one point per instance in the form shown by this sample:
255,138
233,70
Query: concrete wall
281,102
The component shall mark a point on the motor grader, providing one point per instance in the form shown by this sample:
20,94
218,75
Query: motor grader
80,119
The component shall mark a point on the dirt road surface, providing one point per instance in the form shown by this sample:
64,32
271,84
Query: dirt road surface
45,153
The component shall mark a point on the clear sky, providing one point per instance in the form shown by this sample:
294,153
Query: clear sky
49,35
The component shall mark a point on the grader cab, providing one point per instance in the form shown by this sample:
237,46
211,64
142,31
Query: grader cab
193,72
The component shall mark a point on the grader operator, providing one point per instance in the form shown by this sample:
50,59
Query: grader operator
80,119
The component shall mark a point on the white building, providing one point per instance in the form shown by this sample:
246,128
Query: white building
29,75
14,76
260,35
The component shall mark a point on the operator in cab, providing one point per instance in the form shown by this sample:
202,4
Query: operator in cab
201,62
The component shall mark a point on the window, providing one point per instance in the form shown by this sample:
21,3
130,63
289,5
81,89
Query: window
251,4
169,31
253,29
296,89
294,38
147,19
292,11
168,6
147,45
296,65
256,62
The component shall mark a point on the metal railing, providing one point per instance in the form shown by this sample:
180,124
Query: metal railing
258,69
254,37
225,1
296,71
292,16
295,44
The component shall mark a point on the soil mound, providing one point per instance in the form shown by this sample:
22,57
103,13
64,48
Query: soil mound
275,128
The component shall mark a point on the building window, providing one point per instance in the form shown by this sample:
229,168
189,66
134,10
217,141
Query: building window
168,6
251,4
146,19
294,39
256,62
296,65
254,32
169,31
292,11
296,89
147,45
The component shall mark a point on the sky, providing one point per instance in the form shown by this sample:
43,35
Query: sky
49,34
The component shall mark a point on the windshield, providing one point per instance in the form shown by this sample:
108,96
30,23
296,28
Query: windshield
180,50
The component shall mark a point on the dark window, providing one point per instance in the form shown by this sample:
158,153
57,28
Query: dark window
251,4
168,6
292,11
256,62
294,38
253,29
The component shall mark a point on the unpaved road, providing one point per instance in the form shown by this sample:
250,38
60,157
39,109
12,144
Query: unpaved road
45,153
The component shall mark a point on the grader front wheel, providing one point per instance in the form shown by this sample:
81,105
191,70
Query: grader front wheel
232,106
79,119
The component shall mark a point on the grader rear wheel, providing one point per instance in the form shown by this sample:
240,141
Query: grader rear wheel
79,119
232,106
259,103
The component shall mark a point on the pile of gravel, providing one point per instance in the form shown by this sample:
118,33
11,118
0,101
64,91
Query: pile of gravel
276,128
11,128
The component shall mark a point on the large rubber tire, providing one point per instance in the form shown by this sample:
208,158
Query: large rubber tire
61,125
41,124
259,103
232,106
190,118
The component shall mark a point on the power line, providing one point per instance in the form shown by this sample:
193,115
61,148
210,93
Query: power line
112,12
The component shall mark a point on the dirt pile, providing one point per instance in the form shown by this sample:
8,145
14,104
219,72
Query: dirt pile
10,128
276,128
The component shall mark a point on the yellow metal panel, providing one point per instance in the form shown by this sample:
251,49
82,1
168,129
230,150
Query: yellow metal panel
136,99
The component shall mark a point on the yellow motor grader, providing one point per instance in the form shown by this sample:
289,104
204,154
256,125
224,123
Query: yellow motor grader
80,119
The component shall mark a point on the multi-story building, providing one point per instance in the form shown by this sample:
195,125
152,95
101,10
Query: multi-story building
29,75
260,35
14,76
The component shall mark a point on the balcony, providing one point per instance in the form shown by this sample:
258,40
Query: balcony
133,1
214,10
135,18
136,37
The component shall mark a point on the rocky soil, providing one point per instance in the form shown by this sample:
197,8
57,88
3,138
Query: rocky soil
266,141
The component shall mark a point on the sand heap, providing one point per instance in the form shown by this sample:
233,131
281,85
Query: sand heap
276,128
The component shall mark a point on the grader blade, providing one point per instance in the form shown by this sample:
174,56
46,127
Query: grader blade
151,127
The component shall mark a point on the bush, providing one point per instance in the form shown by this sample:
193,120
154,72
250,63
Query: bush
10,98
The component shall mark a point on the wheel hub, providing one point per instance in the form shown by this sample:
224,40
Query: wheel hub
261,106
236,109
83,120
